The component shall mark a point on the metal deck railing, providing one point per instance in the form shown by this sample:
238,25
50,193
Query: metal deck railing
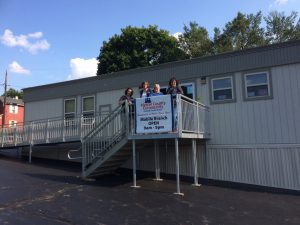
48,131
192,118
104,138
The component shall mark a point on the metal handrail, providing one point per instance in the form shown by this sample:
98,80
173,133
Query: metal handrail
48,131
192,116
74,150
102,123
104,137
189,116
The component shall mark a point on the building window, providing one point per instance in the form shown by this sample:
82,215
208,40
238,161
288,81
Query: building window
222,89
88,106
257,85
12,123
188,89
13,109
70,108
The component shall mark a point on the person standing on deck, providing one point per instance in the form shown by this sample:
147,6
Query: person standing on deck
156,90
174,87
173,90
146,91
127,97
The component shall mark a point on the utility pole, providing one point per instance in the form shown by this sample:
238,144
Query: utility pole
4,100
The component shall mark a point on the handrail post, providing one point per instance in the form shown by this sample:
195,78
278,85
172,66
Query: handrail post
63,130
179,114
31,132
30,152
198,118
83,162
127,118
80,127
47,131
31,140
15,135
2,138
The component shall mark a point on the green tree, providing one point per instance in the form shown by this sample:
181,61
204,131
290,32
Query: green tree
242,32
280,28
222,42
12,93
138,47
195,41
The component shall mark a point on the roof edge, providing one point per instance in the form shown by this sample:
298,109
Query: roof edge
174,63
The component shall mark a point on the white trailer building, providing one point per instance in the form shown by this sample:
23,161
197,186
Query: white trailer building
253,98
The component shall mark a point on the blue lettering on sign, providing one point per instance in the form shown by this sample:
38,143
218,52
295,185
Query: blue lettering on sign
147,100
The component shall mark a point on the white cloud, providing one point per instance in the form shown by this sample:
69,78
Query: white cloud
24,41
81,68
176,35
281,2
278,3
36,35
15,67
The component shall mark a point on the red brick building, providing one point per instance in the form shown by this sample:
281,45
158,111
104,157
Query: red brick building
14,112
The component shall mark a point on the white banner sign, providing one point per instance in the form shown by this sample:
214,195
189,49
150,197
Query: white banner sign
154,114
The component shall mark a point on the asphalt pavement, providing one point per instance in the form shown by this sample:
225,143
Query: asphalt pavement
49,192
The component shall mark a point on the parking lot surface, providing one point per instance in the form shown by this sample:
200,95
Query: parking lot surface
47,192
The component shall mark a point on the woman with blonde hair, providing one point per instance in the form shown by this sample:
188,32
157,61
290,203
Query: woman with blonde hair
156,90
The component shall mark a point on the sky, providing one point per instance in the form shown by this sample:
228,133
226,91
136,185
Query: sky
50,41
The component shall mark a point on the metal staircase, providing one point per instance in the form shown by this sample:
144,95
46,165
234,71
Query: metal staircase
106,147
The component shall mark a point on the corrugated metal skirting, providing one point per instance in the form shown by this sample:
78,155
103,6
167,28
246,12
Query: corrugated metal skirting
269,165
272,166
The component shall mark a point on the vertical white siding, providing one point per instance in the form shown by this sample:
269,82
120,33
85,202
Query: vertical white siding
112,97
266,121
43,109
273,166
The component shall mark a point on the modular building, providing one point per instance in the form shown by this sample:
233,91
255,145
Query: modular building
253,98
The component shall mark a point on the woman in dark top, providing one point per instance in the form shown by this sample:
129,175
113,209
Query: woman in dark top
127,97
174,87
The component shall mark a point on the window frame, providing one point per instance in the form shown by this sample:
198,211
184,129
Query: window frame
193,88
12,123
13,109
245,86
214,101
184,84
75,106
90,112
